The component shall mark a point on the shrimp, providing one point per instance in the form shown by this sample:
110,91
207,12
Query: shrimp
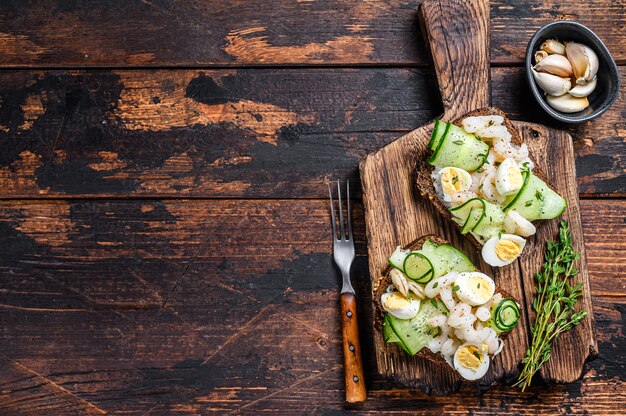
475,123
476,177
449,347
493,158
514,223
446,297
495,133
488,189
500,346
492,342
461,316
507,149
433,287
437,320
468,334
435,344
483,314
459,198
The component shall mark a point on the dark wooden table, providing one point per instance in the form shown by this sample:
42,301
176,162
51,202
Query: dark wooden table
164,228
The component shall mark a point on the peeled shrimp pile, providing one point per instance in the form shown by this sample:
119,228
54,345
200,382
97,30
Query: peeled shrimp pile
490,130
463,323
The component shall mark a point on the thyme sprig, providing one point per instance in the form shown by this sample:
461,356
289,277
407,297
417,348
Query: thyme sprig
553,303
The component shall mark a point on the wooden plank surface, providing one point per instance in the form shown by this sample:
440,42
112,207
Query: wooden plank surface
336,32
396,216
458,38
114,306
241,133
105,308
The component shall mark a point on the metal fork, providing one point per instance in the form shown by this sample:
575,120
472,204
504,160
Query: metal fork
343,253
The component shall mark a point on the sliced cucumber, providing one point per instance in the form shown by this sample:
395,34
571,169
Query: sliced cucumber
475,215
438,132
553,205
491,222
397,258
388,334
460,149
428,247
415,333
456,260
417,266
481,217
506,315
461,213
536,201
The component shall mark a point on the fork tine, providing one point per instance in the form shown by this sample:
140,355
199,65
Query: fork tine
341,223
349,215
332,211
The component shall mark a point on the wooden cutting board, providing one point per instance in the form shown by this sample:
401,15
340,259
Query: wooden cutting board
458,35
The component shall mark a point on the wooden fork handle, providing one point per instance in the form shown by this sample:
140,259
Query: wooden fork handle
353,365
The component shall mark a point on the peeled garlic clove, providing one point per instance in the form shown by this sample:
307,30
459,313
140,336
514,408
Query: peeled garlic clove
417,290
553,46
552,84
568,104
555,65
584,90
539,55
399,281
584,61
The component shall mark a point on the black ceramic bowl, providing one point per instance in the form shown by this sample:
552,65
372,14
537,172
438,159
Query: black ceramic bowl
608,78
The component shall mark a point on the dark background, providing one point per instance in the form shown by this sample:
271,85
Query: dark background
164,228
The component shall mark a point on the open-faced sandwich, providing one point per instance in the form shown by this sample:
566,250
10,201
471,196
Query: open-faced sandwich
433,302
480,175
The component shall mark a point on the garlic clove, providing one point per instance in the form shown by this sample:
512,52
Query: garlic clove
555,65
584,61
399,281
539,55
568,104
552,84
584,90
552,46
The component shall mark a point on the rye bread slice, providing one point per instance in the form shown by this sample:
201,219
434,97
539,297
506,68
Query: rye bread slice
381,284
424,169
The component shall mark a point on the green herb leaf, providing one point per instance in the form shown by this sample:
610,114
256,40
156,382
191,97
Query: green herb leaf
456,288
528,203
538,195
458,142
433,302
435,285
477,355
554,303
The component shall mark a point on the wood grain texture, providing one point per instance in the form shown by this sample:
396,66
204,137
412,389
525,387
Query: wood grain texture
193,33
457,33
553,152
395,215
247,133
352,361
113,304
120,304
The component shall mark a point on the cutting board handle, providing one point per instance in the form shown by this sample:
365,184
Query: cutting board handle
457,32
